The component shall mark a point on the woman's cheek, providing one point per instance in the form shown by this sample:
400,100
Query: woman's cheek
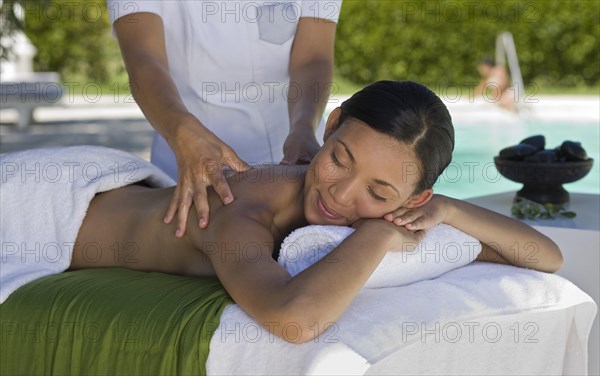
366,210
373,210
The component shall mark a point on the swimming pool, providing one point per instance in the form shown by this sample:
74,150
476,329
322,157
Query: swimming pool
472,171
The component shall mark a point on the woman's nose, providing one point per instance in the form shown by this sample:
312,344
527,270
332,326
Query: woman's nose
343,190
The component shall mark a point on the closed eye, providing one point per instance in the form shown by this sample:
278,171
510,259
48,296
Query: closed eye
375,195
336,160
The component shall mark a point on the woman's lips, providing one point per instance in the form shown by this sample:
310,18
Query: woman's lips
325,211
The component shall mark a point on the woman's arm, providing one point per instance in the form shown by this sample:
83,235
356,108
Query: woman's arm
296,309
311,71
504,239
200,154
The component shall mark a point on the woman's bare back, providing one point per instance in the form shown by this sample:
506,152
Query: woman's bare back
124,227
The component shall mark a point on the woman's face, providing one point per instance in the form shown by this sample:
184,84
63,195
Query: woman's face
359,173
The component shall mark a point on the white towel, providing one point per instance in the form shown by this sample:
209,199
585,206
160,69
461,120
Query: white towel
483,318
44,196
443,248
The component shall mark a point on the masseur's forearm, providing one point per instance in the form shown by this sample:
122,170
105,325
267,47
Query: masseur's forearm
155,93
142,42
310,87
311,71
516,242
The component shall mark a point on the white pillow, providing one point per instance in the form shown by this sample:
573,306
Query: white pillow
443,248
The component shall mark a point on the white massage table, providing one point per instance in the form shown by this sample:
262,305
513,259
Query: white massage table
480,319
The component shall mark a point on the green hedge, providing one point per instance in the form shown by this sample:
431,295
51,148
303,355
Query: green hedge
73,38
441,41
433,41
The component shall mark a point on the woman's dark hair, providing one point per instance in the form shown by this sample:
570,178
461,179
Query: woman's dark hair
487,60
412,114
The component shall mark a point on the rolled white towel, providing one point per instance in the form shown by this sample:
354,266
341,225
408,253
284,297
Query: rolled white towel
443,248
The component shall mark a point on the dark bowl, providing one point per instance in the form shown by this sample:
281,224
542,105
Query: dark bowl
543,181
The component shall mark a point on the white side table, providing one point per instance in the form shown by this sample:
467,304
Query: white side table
579,241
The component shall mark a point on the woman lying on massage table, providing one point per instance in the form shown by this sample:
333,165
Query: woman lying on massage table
384,149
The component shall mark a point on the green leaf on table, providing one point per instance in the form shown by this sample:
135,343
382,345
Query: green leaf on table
569,214
523,208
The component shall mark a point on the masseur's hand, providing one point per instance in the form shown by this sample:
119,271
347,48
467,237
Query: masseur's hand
434,212
300,147
200,159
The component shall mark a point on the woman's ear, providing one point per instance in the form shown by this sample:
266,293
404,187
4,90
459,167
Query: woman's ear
420,199
332,123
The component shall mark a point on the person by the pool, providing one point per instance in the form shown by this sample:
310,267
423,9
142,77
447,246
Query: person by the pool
384,149
495,84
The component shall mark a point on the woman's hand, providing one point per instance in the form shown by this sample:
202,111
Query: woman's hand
200,159
300,147
434,212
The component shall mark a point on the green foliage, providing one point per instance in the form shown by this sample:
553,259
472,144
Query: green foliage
10,22
73,38
437,42
523,208
440,41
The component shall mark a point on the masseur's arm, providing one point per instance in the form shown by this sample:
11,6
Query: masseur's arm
311,71
200,154
300,308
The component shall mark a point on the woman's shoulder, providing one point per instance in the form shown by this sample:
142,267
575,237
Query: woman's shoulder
267,177
271,188
268,195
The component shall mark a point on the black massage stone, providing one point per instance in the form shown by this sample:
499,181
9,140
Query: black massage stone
517,152
543,156
538,142
572,151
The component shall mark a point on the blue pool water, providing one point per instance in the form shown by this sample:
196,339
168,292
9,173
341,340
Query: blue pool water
472,171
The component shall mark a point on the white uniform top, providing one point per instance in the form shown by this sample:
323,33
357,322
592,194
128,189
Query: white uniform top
230,63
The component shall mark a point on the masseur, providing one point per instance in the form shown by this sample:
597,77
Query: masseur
224,83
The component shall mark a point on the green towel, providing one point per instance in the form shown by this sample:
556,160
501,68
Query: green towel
110,322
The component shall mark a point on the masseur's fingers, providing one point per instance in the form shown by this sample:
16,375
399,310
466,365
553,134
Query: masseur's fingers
213,175
183,209
172,207
210,174
300,147
201,204
185,194
220,185
234,162
200,156
217,179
